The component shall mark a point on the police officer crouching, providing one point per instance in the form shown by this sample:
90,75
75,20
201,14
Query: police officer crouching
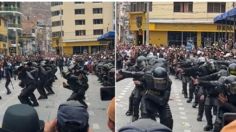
77,81
28,77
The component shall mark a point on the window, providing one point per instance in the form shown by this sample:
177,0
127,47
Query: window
56,13
215,7
79,11
79,22
140,6
80,33
183,6
79,2
97,10
97,31
3,38
57,23
97,21
56,3
57,34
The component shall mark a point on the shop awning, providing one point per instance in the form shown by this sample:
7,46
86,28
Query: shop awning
107,36
226,18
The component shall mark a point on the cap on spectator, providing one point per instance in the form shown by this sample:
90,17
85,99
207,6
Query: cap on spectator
231,127
145,125
111,110
22,118
72,112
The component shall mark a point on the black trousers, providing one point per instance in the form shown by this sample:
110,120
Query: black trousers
41,89
134,101
27,95
149,109
8,80
78,97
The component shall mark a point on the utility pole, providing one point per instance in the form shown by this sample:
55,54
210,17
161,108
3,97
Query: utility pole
147,24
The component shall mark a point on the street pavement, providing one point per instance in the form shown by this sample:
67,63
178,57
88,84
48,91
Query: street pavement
184,115
47,109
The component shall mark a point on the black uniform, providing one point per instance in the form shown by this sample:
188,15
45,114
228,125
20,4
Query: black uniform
28,77
157,87
210,97
78,83
225,85
136,95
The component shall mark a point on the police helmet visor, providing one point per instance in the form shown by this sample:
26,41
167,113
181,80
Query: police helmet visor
232,72
160,83
140,63
232,88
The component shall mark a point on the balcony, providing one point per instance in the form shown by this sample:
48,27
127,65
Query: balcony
14,25
10,9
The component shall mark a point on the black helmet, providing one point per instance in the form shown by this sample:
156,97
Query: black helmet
160,72
141,61
232,69
160,78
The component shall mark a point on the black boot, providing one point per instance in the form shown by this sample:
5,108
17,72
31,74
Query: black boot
199,118
0,97
194,105
35,104
134,118
128,113
185,96
24,100
8,91
208,127
42,97
189,100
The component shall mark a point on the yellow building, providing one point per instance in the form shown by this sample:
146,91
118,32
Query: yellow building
176,23
3,36
80,24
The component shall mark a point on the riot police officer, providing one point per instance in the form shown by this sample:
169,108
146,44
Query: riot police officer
157,87
210,97
135,97
224,87
28,76
77,82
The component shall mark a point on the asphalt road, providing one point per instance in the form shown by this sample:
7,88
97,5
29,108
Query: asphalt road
47,109
184,115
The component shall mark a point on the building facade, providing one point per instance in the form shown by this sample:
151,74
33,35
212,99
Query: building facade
11,12
3,36
36,25
176,23
77,25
